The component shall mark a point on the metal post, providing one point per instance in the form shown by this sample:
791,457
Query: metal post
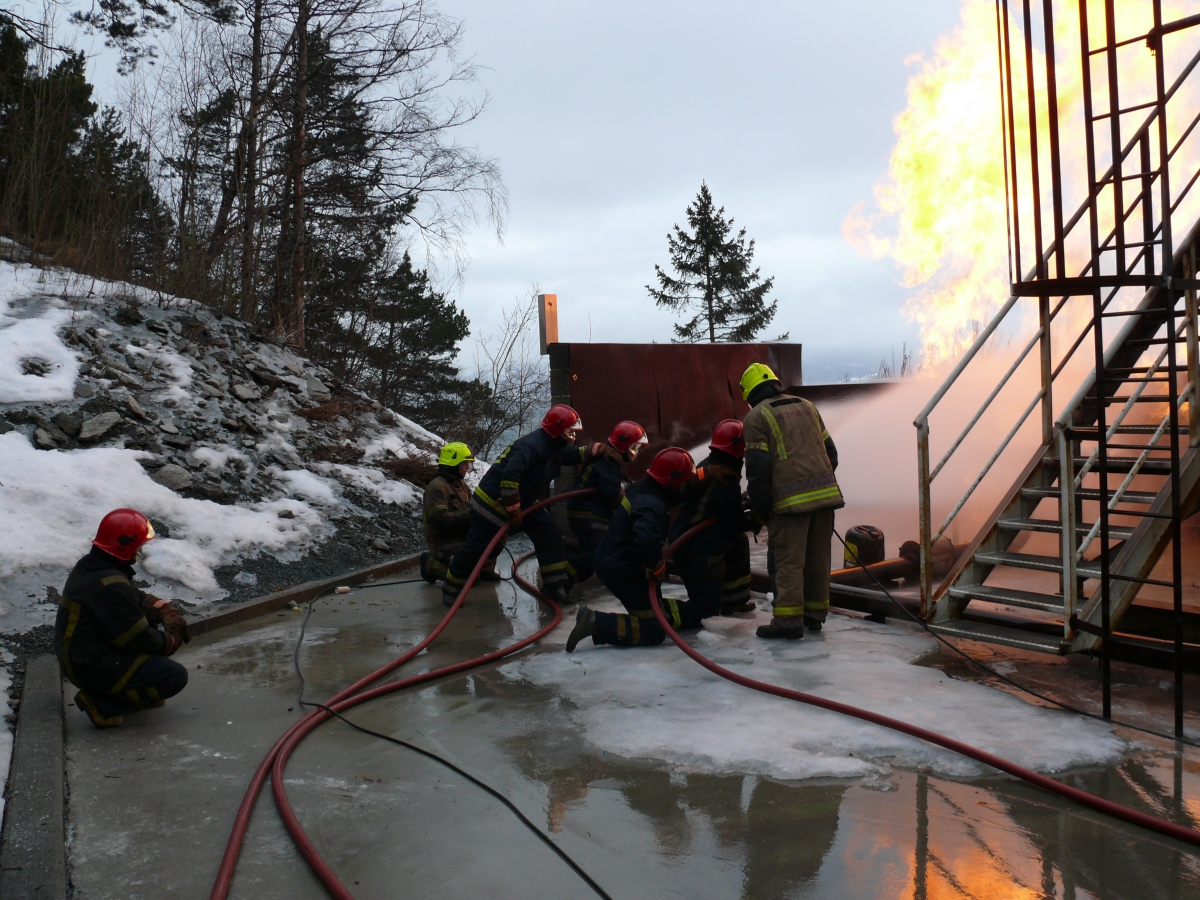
926,517
1189,271
1066,518
1047,367
1102,487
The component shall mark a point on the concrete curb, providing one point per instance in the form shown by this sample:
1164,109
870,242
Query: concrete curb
294,596
33,857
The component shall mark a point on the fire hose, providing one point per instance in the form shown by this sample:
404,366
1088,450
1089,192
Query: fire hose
1099,804
359,692
275,760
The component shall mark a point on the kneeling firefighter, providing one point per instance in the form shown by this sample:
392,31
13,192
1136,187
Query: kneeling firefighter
715,563
790,461
111,639
519,478
446,514
589,516
630,559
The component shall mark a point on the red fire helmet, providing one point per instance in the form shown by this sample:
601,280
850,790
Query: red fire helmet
728,437
122,533
672,467
561,418
626,434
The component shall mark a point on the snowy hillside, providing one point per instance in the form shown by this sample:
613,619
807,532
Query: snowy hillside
256,470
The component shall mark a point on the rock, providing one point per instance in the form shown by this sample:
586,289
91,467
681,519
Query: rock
246,392
69,423
129,380
286,514
317,389
381,545
83,390
245,578
5,427
178,441
167,427
211,492
192,462
134,406
98,426
177,328
43,439
152,464
174,477
294,367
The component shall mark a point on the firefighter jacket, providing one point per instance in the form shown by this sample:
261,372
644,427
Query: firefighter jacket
790,458
102,633
524,470
638,530
446,515
714,499
595,510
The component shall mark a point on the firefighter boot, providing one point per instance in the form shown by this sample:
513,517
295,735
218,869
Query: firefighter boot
585,626
489,572
84,702
814,620
738,606
557,593
426,570
449,595
788,627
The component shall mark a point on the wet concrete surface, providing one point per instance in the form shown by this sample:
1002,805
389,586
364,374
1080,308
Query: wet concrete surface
151,803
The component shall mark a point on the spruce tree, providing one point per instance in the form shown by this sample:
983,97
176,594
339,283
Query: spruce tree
713,278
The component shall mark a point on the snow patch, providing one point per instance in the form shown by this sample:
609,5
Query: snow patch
35,364
305,484
653,702
50,502
375,482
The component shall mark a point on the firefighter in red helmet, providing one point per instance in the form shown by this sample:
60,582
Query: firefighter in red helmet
630,559
112,640
715,563
518,478
589,516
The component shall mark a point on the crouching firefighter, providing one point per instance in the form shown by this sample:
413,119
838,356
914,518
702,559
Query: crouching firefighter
519,478
112,640
790,460
589,516
446,514
630,559
715,563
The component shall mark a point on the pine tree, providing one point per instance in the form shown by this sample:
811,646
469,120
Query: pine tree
714,278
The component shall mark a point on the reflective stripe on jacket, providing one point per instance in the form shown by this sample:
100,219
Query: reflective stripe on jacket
787,434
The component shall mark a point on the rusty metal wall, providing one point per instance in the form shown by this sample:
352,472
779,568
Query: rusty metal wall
677,392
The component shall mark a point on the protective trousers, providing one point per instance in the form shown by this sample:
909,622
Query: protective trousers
547,543
155,680
582,563
639,627
715,570
798,561
440,555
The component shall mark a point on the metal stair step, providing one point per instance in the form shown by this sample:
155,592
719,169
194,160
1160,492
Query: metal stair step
1115,532
1121,464
998,634
1009,597
1031,561
1143,497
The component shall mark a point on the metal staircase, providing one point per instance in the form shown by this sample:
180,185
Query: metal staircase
1082,529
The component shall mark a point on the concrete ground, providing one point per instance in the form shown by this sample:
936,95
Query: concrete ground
151,803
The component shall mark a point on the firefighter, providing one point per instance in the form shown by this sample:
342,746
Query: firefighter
589,516
715,563
630,559
446,516
518,478
790,461
112,640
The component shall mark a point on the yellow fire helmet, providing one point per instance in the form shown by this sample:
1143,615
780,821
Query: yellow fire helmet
756,374
454,453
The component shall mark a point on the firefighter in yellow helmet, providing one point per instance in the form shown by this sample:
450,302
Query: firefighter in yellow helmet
790,461
446,515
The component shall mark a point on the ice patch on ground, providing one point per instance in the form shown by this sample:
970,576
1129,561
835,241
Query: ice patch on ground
375,482
655,703
50,502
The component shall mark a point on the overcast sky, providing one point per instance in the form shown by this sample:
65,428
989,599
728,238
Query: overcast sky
606,117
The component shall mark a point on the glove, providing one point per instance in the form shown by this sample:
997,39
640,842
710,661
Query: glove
173,643
514,517
609,452
656,575
175,624
153,608
722,474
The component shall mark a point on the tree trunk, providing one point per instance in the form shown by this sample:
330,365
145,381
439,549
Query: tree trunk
298,175
248,311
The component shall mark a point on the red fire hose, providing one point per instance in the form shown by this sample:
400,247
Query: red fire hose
276,757
1162,826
